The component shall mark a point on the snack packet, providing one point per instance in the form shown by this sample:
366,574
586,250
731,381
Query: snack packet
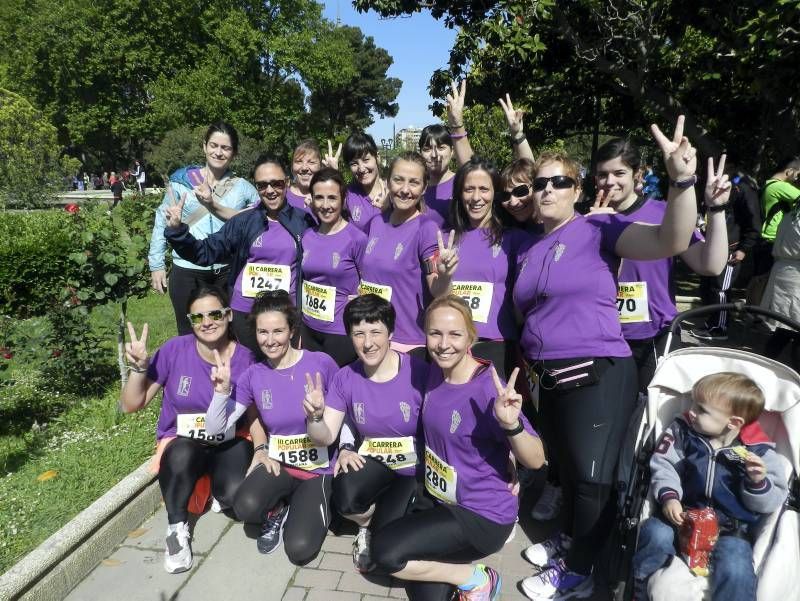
697,537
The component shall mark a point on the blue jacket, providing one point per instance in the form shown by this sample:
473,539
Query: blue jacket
685,467
232,243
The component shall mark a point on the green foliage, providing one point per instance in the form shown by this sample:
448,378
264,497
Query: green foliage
484,124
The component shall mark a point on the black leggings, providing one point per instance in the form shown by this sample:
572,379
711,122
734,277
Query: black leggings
589,426
647,351
182,281
309,508
354,492
337,346
185,460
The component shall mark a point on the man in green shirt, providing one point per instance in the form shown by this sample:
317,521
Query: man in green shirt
779,194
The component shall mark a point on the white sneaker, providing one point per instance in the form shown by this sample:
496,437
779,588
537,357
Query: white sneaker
557,582
549,503
513,531
178,552
362,558
553,548
216,506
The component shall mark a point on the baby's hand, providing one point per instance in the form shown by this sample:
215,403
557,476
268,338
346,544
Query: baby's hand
673,511
756,470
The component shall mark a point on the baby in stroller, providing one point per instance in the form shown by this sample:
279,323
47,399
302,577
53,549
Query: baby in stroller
715,455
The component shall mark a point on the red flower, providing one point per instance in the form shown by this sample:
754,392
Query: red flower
72,208
6,353
56,353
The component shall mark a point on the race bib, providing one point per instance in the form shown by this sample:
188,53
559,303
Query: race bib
632,303
298,451
395,453
193,425
258,277
385,292
478,295
319,301
440,478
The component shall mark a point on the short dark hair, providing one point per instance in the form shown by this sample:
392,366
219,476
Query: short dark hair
204,291
329,174
223,127
787,163
370,308
437,133
623,148
267,158
357,146
458,214
275,300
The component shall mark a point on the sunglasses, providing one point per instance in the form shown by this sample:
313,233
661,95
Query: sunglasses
520,191
560,182
216,315
277,184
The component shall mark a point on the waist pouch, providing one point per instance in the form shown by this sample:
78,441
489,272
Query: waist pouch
565,374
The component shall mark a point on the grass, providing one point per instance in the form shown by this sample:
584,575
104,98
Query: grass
85,445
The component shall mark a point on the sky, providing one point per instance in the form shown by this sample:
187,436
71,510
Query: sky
418,44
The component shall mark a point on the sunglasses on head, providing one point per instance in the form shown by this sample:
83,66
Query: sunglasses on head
215,315
520,191
277,184
560,182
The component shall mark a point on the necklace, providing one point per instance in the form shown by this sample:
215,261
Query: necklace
290,375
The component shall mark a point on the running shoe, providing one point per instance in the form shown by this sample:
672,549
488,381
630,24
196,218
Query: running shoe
549,503
709,333
557,582
488,591
542,553
178,552
362,558
272,530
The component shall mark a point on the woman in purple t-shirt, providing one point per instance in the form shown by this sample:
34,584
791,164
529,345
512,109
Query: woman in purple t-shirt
332,252
381,395
471,421
436,146
517,198
306,161
572,339
367,196
182,367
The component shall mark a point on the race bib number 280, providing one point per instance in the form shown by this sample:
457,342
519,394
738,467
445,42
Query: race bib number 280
441,478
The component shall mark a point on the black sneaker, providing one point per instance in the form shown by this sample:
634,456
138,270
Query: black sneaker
709,333
272,530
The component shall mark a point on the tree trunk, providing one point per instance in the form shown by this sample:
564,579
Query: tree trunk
123,368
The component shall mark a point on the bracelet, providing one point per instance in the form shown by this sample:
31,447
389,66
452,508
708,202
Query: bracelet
458,136
515,430
261,447
518,139
315,419
137,370
683,184
718,208
347,447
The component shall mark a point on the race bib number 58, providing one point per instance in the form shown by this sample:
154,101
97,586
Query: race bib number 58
478,295
441,478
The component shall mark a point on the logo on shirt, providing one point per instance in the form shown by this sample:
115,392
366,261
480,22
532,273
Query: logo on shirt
398,250
335,258
266,399
184,385
356,214
258,242
560,248
495,251
405,409
370,245
455,420
358,413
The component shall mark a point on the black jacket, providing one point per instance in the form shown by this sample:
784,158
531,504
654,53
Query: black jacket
743,215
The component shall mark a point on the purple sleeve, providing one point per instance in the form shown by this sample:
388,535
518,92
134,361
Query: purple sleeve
336,398
611,228
159,367
242,392
697,236
427,244
328,368
358,247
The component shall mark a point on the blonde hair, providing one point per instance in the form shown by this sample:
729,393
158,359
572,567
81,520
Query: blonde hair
571,167
304,147
451,301
417,159
741,394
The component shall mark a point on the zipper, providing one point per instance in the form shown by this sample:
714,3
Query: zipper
711,469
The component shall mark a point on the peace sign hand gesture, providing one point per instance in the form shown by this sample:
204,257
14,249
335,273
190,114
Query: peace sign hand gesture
508,402
718,187
513,116
221,374
448,255
455,104
204,194
173,213
330,159
136,349
314,400
602,203
680,157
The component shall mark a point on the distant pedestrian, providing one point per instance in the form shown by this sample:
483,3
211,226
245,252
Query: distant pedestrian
117,186
139,175
106,182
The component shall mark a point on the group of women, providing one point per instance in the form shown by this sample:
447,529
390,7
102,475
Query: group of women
375,333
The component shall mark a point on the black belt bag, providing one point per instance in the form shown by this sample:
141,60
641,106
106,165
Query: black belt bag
565,374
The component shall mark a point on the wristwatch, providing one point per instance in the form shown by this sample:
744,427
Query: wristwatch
682,184
347,447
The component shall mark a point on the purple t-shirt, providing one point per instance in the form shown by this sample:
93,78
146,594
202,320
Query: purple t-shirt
186,379
360,206
299,202
461,430
566,289
330,275
382,409
278,396
483,278
393,267
650,280
271,264
437,201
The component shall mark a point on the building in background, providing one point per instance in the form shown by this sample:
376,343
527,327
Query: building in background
408,138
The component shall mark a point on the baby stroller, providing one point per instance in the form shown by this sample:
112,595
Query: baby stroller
776,548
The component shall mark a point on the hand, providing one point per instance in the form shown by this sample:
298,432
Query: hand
755,468
348,460
173,213
513,116
736,257
508,402
455,104
718,188
680,157
448,256
314,400
136,349
221,374
158,280
204,194
673,511
261,457
601,203
330,159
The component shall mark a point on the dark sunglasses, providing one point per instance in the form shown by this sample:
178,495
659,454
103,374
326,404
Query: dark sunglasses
520,191
216,315
560,182
277,184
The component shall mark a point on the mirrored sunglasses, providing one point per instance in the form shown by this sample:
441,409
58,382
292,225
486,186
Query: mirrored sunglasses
215,315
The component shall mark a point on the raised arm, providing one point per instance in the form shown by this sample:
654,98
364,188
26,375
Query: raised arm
323,423
216,248
224,411
516,129
440,276
526,447
709,257
455,121
139,389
